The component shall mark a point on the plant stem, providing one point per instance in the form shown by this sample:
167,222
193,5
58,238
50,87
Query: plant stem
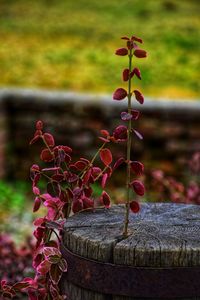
128,155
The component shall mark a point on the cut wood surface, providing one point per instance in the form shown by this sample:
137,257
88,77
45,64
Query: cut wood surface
160,235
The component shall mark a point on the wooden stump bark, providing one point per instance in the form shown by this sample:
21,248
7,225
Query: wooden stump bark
162,236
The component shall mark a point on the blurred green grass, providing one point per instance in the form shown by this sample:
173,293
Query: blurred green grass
69,44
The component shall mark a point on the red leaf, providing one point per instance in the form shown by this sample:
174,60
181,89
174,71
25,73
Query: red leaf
51,251
138,134
80,165
104,132
137,167
39,125
139,97
138,187
125,75
137,39
139,53
118,163
134,206
126,116
105,199
58,177
135,114
119,94
106,156
19,286
46,155
121,51
49,139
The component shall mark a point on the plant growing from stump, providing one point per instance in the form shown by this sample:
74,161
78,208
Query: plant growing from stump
69,186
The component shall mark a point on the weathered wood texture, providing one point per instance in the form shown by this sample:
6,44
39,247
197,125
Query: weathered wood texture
161,235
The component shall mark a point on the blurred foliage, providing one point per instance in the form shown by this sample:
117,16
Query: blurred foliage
70,44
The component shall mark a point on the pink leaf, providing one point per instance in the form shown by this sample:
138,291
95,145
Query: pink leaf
121,51
134,206
37,204
106,156
119,94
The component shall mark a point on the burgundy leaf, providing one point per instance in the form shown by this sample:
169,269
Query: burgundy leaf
49,139
126,116
138,187
135,114
125,75
77,205
125,38
137,167
80,165
39,125
106,156
104,132
51,251
139,53
137,39
118,163
104,180
63,265
137,72
121,51
105,199
46,155
119,94
58,177
87,203
55,274
37,204
139,97
134,206
120,133
44,267
138,134
34,139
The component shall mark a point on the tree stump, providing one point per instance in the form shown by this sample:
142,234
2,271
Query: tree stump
160,259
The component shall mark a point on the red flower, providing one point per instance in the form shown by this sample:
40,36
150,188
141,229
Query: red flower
119,94
140,53
121,51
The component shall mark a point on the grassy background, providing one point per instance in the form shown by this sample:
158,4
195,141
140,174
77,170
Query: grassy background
66,44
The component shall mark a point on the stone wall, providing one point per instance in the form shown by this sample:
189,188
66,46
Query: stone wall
171,129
